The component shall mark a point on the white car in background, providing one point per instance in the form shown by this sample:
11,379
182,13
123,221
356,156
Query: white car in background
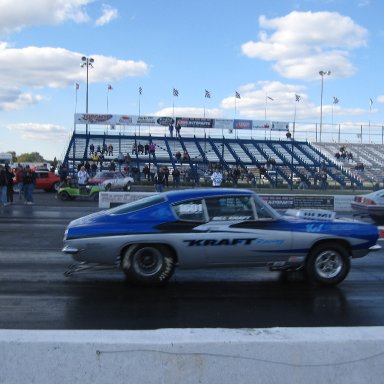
119,181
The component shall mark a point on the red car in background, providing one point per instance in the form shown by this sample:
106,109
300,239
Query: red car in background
48,181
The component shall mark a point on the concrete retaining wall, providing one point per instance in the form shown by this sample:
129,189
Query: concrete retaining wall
341,203
190,356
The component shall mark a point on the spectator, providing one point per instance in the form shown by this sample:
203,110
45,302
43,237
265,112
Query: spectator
217,178
19,180
176,178
185,156
120,159
87,166
178,157
166,176
152,149
82,177
170,130
146,172
178,128
323,181
93,168
159,180
63,173
91,149
29,181
112,166
3,186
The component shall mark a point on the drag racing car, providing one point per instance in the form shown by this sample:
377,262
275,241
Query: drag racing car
204,228
371,204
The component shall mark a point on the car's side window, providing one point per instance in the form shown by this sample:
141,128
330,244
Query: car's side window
190,210
231,208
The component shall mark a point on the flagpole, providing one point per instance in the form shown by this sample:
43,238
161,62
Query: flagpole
140,92
74,121
76,89
369,122
107,99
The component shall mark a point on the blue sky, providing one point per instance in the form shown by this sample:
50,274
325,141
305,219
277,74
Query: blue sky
263,48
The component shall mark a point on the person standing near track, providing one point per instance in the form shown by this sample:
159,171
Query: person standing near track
217,178
29,181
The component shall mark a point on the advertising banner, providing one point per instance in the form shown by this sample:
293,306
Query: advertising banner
224,124
242,124
261,124
279,126
190,122
195,122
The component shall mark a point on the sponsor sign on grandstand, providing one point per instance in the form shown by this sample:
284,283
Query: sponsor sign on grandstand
279,126
194,122
242,124
190,122
226,124
261,124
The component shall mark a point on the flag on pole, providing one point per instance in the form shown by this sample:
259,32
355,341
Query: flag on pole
335,100
175,92
270,98
140,91
207,94
77,86
370,102
110,87
237,95
298,97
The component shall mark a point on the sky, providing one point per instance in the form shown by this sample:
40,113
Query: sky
268,51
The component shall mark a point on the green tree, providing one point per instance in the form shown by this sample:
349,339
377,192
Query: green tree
33,157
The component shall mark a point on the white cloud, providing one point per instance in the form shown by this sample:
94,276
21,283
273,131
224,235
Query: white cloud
38,67
108,15
18,14
305,42
42,132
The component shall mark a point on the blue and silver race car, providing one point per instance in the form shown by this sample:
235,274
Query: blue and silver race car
205,228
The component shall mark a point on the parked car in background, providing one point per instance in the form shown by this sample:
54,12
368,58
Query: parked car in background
205,228
371,204
48,181
101,176
117,182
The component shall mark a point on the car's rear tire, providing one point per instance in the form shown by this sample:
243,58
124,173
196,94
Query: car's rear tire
127,187
95,196
108,187
64,196
328,264
56,186
148,264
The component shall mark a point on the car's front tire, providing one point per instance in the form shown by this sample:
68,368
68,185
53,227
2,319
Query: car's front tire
148,264
328,264
127,187
108,187
64,196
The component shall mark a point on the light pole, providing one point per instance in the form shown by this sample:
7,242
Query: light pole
87,62
322,74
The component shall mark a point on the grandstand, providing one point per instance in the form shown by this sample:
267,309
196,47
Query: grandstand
281,163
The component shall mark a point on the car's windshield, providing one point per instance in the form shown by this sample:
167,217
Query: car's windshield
138,204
